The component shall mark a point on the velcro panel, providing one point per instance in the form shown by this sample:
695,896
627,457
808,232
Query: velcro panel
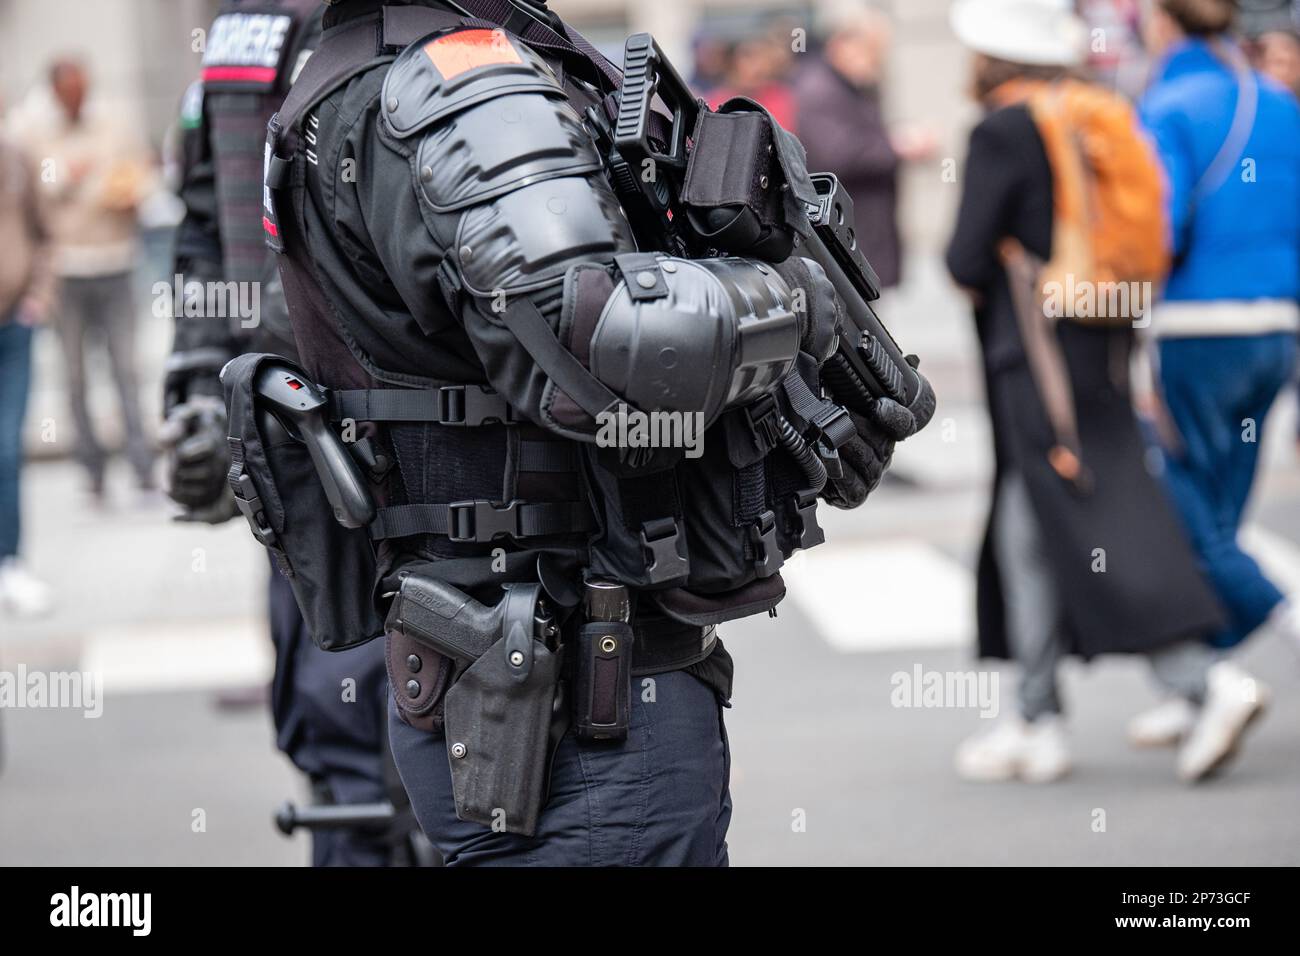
451,464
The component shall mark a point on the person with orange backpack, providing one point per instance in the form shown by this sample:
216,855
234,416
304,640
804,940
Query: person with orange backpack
1060,241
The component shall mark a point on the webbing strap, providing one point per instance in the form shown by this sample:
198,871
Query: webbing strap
833,421
468,405
482,521
535,334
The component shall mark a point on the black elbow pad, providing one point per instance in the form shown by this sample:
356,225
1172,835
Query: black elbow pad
718,333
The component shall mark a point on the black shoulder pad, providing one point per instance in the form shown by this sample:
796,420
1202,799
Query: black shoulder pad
450,71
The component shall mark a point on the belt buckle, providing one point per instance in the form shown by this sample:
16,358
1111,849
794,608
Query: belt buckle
469,406
470,521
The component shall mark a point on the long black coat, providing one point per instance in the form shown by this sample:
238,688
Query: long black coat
1150,593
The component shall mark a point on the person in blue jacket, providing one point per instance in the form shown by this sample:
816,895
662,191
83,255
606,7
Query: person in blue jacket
1229,141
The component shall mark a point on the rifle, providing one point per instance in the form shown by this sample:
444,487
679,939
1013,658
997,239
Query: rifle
649,180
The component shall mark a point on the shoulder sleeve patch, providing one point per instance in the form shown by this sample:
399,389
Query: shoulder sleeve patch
456,53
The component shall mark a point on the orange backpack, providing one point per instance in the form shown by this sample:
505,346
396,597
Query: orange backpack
1109,245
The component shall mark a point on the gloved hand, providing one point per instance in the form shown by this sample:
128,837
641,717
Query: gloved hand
198,459
866,456
822,315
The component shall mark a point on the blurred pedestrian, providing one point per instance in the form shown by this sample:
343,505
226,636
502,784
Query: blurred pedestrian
839,118
1279,58
95,174
708,63
1226,328
1083,553
26,288
758,65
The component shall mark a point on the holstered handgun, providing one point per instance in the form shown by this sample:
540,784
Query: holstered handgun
506,713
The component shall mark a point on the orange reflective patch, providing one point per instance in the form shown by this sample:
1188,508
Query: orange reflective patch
455,53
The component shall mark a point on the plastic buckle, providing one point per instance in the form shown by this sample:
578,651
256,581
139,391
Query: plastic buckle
481,520
803,508
836,428
659,537
250,505
767,555
830,459
470,406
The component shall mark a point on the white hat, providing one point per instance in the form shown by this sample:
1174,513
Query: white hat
1032,32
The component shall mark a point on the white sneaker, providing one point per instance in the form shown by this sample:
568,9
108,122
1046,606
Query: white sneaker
21,594
1233,701
1163,725
1034,753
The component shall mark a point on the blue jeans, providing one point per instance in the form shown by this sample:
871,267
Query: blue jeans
15,381
660,798
1219,392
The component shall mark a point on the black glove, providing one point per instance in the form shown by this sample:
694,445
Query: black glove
866,456
198,459
822,314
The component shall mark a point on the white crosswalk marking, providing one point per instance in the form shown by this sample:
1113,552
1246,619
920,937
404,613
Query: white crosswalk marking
884,595
185,655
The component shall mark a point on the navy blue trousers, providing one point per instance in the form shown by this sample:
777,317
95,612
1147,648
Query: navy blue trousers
660,798
329,712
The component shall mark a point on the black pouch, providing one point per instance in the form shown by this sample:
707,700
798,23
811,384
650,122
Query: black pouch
603,686
732,189
641,541
330,568
731,528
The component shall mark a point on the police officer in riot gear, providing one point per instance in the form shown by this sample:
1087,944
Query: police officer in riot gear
464,281
329,711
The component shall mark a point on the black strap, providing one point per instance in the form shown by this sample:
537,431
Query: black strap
483,521
469,405
535,334
833,420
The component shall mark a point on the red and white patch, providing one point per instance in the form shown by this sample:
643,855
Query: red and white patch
459,52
